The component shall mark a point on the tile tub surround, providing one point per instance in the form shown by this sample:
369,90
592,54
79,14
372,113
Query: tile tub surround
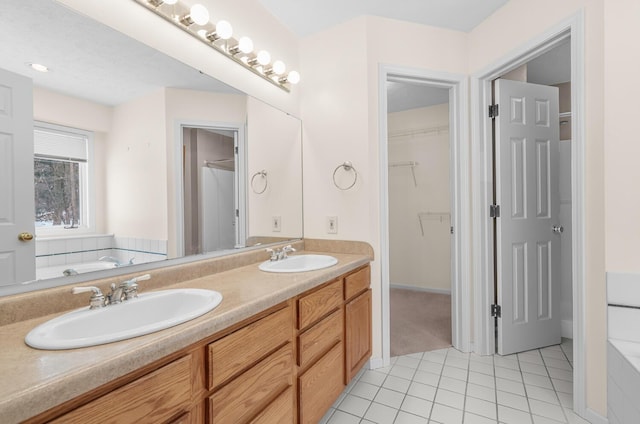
42,379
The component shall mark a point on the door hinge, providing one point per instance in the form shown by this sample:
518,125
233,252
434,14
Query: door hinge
237,213
496,311
451,230
493,111
494,211
235,149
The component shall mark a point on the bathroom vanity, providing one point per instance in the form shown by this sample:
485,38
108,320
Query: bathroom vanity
280,348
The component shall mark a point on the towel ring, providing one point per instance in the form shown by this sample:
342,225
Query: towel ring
263,174
348,166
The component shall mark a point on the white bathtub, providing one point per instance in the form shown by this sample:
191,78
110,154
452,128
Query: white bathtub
80,268
623,382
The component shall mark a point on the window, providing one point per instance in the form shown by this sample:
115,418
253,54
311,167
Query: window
62,165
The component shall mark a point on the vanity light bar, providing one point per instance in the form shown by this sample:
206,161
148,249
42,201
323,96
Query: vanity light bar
195,21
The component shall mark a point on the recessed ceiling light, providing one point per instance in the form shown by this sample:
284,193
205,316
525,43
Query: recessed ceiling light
38,67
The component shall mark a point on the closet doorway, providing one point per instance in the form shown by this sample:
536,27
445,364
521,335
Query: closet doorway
419,198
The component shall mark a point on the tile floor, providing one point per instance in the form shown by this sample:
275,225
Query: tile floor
449,387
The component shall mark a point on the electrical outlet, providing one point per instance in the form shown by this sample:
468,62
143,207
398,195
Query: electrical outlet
332,225
276,224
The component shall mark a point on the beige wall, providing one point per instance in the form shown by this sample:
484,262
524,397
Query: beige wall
417,259
621,111
137,169
273,140
518,22
340,114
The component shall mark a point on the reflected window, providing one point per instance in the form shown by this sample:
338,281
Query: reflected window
61,179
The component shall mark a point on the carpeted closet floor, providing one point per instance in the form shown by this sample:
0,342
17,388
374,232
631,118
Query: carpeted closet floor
420,321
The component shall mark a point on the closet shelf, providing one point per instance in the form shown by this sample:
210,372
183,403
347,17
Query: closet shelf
411,164
433,216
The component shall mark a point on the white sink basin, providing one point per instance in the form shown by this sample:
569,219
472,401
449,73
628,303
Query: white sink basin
299,263
149,313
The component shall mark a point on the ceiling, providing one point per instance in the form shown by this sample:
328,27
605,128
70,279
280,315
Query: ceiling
87,59
305,17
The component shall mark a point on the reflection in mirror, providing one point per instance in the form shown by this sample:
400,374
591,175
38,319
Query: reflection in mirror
167,160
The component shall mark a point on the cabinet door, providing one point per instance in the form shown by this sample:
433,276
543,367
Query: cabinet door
357,334
250,393
154,398
320,386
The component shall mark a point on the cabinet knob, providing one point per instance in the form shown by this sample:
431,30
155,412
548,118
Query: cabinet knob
25,236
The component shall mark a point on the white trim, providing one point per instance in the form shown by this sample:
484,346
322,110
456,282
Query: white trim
419,289
566,328
482,194
239,128
460,207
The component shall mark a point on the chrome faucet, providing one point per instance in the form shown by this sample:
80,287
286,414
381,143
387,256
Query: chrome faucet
111,259
126,290
278,255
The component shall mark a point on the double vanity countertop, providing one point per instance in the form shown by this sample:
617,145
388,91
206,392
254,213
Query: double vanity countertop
33,381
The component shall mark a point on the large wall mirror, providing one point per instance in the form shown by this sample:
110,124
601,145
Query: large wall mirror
139,160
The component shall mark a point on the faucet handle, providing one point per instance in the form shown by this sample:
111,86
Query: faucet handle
97,299
287,249
274,254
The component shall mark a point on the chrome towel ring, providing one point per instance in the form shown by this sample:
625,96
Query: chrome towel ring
348,167
262,174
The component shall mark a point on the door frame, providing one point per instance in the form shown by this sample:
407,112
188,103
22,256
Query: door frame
460,198
482,163
240,178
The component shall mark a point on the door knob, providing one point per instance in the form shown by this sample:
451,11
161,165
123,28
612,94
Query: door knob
558,229
25,236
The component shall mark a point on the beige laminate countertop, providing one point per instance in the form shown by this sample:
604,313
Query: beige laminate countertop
33,381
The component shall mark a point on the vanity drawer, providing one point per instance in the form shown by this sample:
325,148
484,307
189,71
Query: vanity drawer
251,392
232,354
278,411
357,282
319,338
320,386
318,304
154,398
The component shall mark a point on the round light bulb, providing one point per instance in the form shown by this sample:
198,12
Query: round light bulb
38,67
203,33
224,30
245,45
293,77
279,67
264,57
199,14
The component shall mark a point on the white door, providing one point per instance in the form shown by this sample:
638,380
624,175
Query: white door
528,248
17,213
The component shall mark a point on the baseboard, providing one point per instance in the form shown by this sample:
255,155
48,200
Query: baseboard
376,363
566,328
594,418
420,289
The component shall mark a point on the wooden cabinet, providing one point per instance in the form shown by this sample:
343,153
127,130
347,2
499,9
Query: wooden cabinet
154,398
357,335
287,364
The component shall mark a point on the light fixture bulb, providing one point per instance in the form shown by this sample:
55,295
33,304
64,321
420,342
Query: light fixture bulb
279,67
38,67
199,14
264,57
293,77
245,45
224,30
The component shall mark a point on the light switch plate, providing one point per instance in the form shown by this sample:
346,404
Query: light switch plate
276,224
332,225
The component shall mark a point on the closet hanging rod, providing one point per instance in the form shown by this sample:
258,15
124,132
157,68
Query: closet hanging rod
412,164
407,163
212,163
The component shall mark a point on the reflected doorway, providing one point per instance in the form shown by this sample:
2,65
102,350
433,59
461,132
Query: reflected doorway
212,207
419,193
